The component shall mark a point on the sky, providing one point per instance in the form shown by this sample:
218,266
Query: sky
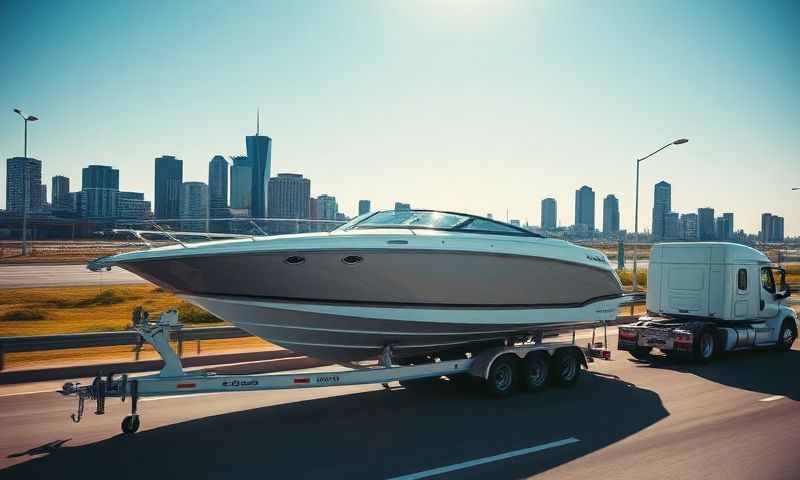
465,105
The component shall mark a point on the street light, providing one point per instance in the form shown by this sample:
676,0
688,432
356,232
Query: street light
680,141
29,118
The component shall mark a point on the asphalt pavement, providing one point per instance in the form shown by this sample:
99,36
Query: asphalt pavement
16,276
737,418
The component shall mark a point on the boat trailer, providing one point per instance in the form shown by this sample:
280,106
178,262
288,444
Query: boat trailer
172,379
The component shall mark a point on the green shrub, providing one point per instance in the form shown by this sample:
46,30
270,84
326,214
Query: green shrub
24,315
188,313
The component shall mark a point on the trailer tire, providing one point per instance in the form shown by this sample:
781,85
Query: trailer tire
705,346
565,368
130,424
786,336
502,375
535,371
641,353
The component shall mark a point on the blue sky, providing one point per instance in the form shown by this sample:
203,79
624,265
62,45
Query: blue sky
480,106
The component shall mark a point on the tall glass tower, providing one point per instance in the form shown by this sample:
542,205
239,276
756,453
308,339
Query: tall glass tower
259,152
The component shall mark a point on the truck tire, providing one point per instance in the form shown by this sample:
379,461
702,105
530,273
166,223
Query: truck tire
565,368
641,353
535,371
502,376
786,336
705,346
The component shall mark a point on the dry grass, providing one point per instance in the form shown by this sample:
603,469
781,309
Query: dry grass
626,277
85,356
85,309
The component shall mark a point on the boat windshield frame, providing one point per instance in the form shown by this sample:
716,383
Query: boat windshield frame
459,227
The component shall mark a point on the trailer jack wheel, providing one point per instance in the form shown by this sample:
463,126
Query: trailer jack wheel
130,424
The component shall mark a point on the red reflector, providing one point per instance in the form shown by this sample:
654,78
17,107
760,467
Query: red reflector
186,385
302,380
627,335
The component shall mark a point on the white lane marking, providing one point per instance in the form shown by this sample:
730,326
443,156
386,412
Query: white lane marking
27,393
772,398
482,461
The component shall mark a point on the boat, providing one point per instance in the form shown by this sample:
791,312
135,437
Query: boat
419,281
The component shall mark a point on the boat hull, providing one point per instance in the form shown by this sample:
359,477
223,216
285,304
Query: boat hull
350,332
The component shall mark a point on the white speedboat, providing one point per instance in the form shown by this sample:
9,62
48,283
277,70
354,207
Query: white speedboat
419,281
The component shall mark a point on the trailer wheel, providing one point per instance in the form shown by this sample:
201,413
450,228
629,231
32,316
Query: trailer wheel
786,336
565,368
535,371
641,353
705,346
130,424
502,374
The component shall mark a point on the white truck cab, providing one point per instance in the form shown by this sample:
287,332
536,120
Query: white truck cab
704,298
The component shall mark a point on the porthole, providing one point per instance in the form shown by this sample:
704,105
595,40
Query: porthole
352,259
294,260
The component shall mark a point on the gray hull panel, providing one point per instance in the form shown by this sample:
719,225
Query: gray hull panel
402,277
347,333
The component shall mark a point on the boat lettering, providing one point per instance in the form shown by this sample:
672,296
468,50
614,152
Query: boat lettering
328,379
240,383
596,258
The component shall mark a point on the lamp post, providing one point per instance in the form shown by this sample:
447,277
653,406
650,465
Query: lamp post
26,119
636,214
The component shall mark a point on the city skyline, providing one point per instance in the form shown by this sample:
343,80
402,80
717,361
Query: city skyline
340,122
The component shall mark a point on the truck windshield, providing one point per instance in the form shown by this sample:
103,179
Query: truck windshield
767,282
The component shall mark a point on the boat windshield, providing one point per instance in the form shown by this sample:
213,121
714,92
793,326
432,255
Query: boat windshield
434,220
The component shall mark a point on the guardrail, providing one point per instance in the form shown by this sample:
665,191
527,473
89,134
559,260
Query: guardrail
111,339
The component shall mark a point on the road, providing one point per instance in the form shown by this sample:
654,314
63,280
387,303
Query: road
735,419
15,276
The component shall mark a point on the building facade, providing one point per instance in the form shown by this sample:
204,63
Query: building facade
132,206
194,205
549,214
60,194
168,186
672,229
241,182
771,228
327,208
662,204
289,196
729,229
99,189
259,153
689,227
364,206
23,180
610,215
584,209
705,224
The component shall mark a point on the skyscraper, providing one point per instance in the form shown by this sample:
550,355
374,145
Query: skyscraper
99,188
218,193
400,206
194,204
44,195
689,227
729,228
289,195
168,185
722,224
705,224
259,151
671,226
777,229
549,214
132,206
364,206
60,193
584,208
17,169
771,228
610,215
662,204
327,208
241,182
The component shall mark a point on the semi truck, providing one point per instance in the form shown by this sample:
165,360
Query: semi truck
707,298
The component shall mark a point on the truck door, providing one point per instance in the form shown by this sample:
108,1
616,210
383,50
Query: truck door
743,294
768,305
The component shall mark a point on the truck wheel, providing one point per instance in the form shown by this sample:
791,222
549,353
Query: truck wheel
786,336
565,368
535,371
641,353
501,376
705,346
